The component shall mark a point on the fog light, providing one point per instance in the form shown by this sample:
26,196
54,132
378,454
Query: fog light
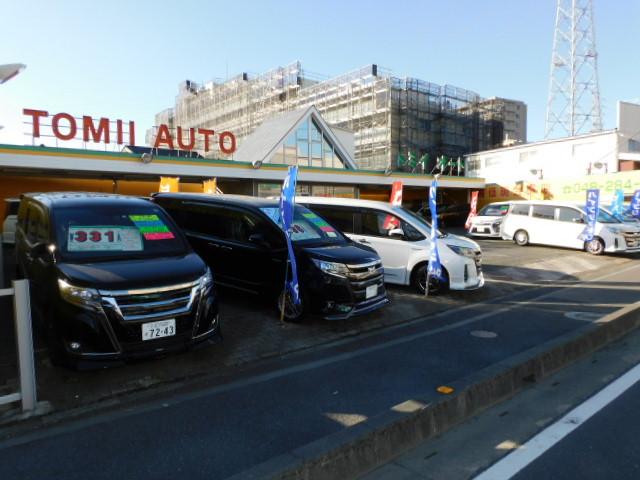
343,308
74,346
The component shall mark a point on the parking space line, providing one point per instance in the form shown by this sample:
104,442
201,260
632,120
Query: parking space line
543,441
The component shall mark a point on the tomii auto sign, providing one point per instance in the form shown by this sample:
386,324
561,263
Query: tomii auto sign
66,127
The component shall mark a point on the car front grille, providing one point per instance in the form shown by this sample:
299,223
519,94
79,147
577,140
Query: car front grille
366,275
152,303
127,310
632,239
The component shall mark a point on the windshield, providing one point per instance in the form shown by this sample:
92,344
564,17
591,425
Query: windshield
494,211
115,232
308,228
421,220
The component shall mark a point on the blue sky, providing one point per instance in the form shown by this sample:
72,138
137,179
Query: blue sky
124,59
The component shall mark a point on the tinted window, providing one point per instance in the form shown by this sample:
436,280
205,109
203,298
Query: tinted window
35,224
520,210
341,218
12,207
566,214
545,212
108,232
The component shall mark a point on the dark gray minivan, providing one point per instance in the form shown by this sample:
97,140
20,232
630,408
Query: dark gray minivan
242,240
111,277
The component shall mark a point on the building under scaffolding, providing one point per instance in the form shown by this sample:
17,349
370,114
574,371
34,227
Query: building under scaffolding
389,116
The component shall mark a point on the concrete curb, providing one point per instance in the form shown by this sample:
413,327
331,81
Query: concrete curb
356,450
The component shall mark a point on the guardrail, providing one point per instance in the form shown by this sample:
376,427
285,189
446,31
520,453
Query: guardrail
24,343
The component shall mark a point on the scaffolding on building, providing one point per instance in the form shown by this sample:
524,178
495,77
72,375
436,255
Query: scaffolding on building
389,116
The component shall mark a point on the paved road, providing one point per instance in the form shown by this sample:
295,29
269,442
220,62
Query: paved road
517,438
605,446
285,403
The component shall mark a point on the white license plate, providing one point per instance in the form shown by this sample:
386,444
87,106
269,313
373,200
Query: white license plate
163,328
371,291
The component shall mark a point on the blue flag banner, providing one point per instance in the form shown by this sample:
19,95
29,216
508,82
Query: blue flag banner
634,208
592,208
617,203
287,202
435,267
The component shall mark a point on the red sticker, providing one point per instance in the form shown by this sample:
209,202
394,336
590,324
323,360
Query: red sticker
159,236
327,229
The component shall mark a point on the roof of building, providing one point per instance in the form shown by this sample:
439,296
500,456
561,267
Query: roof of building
260,146
542,142
243,200
161,152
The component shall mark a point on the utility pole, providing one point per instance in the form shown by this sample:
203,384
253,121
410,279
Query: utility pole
573,105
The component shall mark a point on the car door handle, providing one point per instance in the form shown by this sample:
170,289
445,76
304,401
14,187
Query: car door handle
225,247
211,244
362,240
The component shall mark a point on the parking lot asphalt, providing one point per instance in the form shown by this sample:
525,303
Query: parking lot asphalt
253,333
242,418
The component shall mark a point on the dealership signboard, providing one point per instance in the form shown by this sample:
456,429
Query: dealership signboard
65,127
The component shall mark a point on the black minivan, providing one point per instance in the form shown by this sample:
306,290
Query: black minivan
112,277
241,239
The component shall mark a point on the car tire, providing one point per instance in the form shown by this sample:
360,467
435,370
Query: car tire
521,237
419,280
595,246
292,313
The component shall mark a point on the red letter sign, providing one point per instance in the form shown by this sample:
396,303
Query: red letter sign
36,114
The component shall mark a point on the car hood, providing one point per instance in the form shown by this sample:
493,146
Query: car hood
478,219
350,253
459,241
130,274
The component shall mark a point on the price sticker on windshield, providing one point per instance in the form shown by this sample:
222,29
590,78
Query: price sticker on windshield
101,238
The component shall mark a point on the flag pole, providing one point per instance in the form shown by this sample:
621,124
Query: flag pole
284,291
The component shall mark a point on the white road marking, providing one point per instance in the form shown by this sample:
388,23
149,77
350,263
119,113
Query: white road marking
543,441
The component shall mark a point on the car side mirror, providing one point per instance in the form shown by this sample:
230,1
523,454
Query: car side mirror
397,233
578,220
258,239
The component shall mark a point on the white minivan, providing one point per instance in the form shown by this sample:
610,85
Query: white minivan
401,238
561,224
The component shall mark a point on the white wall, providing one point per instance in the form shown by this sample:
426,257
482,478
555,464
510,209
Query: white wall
629,126
562,158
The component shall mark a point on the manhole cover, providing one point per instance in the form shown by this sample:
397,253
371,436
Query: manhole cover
584,316
483,334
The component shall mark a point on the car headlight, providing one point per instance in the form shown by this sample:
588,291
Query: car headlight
338,269
206,281
88,298
464,251
497,223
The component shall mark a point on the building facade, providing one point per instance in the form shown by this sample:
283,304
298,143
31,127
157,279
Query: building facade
567,167
388,115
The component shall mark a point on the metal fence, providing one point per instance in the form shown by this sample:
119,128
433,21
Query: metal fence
24,341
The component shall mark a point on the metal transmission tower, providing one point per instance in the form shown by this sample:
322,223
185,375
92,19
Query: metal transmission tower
573,105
